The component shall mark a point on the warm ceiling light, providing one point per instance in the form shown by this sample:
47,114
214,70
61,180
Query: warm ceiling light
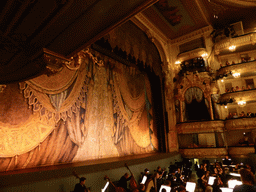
222,80
236,75
177,62
232,48
226,106
241,103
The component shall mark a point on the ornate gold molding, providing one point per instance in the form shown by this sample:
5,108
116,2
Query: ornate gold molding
191,54
200,127
55,62
247,95
195,34
237,68
240,151
238,41
201,80
2,87
241,123
203,153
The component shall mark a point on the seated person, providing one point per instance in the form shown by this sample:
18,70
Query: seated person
227,63
123,181
235,115
80,187
243,88
230,116
249,114
248,181
248,87
227,90
233,62
226,161
242,114
232,89
237,88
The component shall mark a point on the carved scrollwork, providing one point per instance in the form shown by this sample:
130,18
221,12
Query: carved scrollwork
2,87
200,80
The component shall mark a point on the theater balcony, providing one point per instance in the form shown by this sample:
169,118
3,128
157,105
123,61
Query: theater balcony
241,68
245,95
202,139
200,127
204,153
247,123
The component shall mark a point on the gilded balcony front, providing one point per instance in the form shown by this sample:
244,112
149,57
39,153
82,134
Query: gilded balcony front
238,68
204,153
240,123
246,95
200,127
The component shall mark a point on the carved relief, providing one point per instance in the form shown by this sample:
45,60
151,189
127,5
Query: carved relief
203,153
200,80
202,126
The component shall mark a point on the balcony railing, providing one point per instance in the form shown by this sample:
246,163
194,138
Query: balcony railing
200,127
204,152
237,68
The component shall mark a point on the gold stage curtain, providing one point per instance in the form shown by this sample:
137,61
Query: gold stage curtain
132,95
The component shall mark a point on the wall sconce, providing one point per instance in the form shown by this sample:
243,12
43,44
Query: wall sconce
177,62
204,55
226,106
241,103
236,75
232,48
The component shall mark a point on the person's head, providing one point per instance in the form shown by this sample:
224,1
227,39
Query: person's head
159,168
167,183
146,171
141,187
156,175
126,175
82,180
247,176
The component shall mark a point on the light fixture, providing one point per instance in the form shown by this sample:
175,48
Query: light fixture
241,103
232,48
204,55
226,106
222,80
236,75
177,62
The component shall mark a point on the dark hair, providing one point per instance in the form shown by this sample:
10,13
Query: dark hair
247,175
82,179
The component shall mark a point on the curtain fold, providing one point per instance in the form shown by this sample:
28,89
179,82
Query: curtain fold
193,93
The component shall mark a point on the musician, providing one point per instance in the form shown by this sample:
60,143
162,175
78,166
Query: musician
248,181
123,181
80,187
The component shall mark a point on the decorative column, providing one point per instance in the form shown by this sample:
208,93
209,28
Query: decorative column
211,111
181,110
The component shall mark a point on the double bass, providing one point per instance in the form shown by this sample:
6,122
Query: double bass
133,184
117,189
86,188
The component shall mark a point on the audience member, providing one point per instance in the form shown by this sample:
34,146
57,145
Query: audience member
235,115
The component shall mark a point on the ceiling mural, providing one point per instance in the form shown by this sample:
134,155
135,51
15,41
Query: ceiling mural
170,13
